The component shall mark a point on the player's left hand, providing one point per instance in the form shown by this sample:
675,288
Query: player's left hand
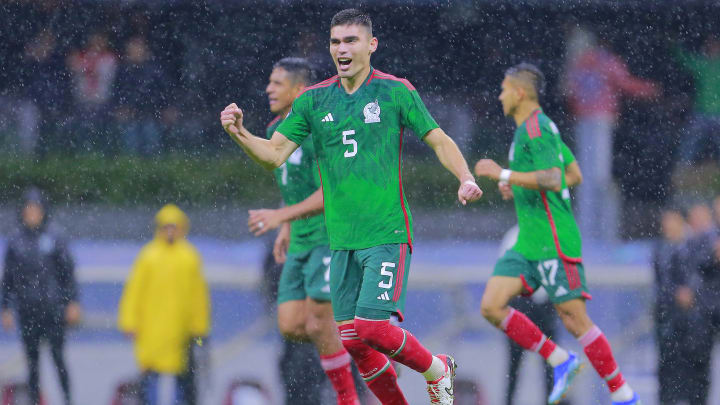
488,168
469,192
261,221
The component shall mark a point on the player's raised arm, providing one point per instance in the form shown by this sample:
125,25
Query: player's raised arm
449,155
269,154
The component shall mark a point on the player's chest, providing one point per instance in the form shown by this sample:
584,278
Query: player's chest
363,117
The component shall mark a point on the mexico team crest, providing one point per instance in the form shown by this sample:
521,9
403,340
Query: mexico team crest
372,112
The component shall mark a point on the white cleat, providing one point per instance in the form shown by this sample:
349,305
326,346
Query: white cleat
442,391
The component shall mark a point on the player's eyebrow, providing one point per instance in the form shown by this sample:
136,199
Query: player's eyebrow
348,38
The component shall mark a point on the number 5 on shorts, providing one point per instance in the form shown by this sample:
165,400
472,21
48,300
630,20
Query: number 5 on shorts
385,272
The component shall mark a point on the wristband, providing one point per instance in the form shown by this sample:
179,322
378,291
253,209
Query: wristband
505,175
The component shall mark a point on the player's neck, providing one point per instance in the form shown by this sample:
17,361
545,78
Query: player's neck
285,111
351,84
524,111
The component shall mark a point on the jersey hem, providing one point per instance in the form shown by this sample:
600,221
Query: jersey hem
367,246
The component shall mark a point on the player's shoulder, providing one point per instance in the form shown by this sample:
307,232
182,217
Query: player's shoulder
320,87
389,80
547,124
539,126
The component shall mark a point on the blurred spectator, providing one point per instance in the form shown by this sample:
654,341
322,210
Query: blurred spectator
698,327
138,94
93,69
704,125
39,284
674,301
596,79
41,90
165,307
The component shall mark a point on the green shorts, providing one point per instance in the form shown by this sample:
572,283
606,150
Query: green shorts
562,280
306,274
369,282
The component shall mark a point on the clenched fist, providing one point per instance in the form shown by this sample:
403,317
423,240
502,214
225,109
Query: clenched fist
231,119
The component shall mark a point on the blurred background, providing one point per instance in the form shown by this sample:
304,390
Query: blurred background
111,108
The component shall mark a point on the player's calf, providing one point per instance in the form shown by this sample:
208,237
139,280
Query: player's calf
374,367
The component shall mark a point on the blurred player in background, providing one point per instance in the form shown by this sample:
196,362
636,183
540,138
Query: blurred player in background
538,306
357,120
304,309
548,250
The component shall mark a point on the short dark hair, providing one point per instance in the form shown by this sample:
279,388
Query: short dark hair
299,69
530,74
351,16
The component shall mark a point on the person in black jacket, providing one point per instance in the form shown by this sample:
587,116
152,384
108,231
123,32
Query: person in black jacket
39,284
674,309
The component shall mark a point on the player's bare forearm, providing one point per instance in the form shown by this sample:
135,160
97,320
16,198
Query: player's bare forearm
263,151
550,179
309,207
449,154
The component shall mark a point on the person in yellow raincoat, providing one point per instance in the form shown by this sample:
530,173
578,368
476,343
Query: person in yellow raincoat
165,307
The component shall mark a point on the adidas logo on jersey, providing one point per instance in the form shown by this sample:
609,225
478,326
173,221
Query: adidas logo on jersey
328,118
384,296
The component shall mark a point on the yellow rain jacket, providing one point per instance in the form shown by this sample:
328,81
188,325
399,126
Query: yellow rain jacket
165,301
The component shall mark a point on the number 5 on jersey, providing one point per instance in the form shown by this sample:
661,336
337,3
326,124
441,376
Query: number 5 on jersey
352,150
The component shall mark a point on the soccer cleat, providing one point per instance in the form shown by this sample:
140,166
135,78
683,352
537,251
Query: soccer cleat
442,390
564,374
634,401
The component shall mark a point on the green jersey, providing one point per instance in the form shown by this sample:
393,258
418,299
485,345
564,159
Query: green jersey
298,178
358,141
547,226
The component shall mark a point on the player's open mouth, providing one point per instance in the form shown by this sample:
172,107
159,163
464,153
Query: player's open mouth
344,63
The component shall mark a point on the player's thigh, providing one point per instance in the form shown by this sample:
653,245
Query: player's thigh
316,273
563,281
574,316
291,286
345,283
511,276
386,269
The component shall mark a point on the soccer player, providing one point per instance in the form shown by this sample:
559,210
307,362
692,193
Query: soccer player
548,249
357,120
304,309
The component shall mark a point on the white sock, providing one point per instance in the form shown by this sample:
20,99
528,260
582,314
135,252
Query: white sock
436,370
624,393
558,356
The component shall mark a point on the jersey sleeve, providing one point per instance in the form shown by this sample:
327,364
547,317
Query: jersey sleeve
413,113
296,126
545,150
567,154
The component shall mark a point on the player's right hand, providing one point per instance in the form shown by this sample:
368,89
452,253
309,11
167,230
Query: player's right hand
282,242
469,192
231,119
505,191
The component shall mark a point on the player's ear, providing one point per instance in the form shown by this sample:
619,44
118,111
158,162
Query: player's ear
373,44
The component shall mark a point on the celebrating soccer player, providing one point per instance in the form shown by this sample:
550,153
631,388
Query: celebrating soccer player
357,119
304,309
548,249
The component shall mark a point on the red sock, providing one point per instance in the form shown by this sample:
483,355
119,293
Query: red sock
597,348
524,332
337,368
394,341
374,367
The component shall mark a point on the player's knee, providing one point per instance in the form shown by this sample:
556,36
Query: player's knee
491,311
292,327
372,332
